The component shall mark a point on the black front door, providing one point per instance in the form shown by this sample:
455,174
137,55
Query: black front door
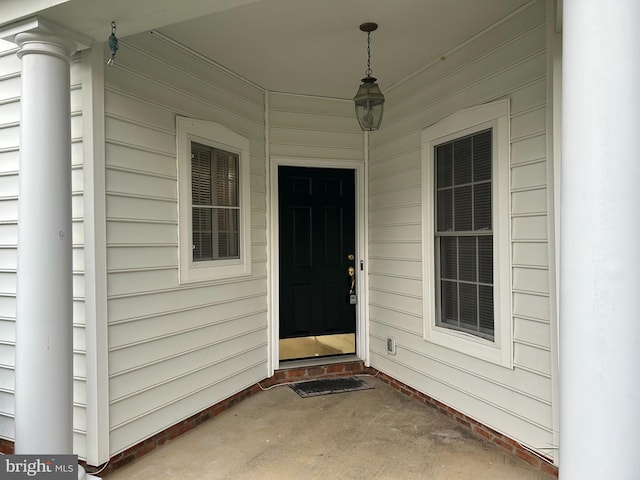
317,247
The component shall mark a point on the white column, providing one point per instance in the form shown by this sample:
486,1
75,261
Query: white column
600,242
44,345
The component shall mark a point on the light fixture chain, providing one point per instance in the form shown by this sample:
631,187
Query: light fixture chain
368,72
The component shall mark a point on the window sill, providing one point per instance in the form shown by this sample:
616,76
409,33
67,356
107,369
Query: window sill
204,273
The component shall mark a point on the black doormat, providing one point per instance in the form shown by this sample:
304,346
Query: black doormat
326,386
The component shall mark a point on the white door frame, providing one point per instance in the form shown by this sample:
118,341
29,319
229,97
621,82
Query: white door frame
362,340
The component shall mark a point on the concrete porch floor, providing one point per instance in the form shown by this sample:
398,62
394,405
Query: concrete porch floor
370,434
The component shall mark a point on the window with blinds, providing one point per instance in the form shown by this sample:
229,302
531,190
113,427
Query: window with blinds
215,203
464,234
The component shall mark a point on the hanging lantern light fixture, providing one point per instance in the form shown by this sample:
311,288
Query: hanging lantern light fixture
369,99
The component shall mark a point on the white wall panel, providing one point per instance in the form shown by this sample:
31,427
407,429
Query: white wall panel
507,61
9,160
7,377
397,180
405,198
403,286
7,285
531,254
396,301
144,280
409,160
132,206
10,90
387,321
137,158
156,303
395,233
173,349
395,216
528,150
9,185
149,378
315,151
120,131
529,305
9,233
140,232
136,257
321,120
314,138
8,258
531,279
312,127
408,251
534,332
11,87
529,228
9,136
139,330
529,201
10,112
528,123
529,97
399,267
529,175
160,91
219,385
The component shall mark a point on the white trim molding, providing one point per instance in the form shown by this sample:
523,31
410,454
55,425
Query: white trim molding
466,122
97,350
217,136
362,341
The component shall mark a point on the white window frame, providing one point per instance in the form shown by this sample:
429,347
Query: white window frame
495,115
216,136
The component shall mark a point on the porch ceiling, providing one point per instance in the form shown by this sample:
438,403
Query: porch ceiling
298,46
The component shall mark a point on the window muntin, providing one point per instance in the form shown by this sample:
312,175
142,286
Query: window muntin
464,235
215,203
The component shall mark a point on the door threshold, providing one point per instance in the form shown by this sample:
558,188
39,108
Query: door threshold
319,346
316,361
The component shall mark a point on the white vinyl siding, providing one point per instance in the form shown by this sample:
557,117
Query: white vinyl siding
9,159
507,61
10,90
174,349
313,127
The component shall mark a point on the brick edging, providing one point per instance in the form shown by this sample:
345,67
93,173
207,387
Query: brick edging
6,446
296,374
508,445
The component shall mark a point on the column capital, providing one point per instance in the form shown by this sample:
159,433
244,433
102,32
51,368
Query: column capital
45,44
39,35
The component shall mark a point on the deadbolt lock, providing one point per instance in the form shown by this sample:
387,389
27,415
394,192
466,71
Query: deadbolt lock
351,257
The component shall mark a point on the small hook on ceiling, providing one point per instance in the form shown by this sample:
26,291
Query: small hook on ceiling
113,43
